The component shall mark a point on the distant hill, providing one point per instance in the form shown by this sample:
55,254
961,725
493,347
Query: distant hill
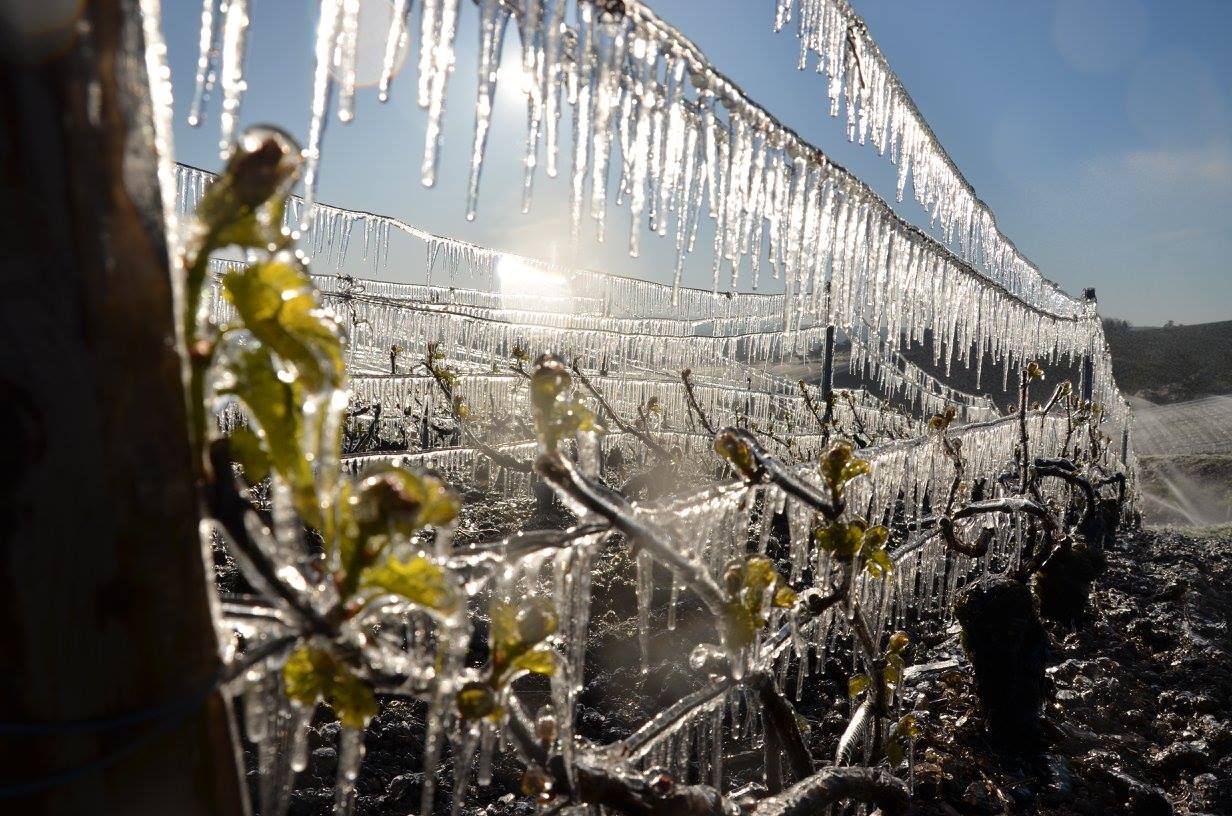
1162,365
1171,363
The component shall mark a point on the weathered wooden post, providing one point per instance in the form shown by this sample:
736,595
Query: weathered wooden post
1088,361
827,365
110,658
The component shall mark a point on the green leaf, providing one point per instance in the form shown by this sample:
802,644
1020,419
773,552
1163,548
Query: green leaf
244,206
739,626
515,632
785,597
842,540
737,452
536,620
909,727
901,736
557,415
893,671
248,452
858,683
878,563
854,468
277,303
537,661
759,574
504,631
876,536
475,701
277,407
392,498
418,580
898,642
940,422
312,674
833,463
895,752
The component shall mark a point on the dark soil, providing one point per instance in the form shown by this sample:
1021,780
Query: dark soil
1139,711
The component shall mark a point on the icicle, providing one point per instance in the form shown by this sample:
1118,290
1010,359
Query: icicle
301,724
645,589
207,54
671,605
395,43
441,44
350,755
437,716
553,70
645,53
487,751
429,24
493,17
533,68
344,60
464,756
234,38
323,51
611,52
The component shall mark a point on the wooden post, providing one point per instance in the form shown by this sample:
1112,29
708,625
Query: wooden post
1088,360
827,365
110,656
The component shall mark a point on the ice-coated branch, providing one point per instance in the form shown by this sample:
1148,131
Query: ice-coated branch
670,718
608,782
769,469
501,459
230,510
1067,473
523,543
611,784
875,786
851,734
781,719
686,376
562,475
646,439
1024,458
954,541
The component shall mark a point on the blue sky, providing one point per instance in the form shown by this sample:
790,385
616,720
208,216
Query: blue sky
1099,131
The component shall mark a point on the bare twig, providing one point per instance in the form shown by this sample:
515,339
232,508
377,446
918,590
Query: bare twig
523,543
502,459
771,470
781,718
645,438
562,475
855,415
814,795
686,377
824,420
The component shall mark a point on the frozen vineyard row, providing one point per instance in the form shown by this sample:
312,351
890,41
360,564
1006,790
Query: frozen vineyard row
654,127
649,108
678,326
879,111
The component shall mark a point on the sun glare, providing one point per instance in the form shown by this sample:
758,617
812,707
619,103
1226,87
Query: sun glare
524,286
